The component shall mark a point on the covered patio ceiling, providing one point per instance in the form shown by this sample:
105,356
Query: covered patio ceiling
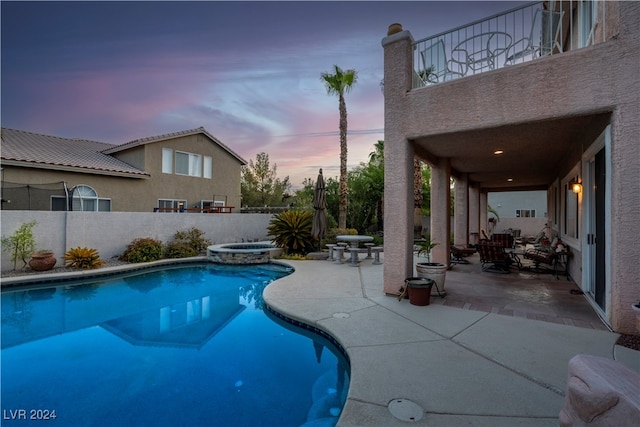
533,152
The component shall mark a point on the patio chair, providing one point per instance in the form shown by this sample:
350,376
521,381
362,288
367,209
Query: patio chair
541,256
542,40
503,239
459,253
436,66
493,258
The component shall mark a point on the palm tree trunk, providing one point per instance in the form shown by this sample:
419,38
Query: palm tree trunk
342,212
417,199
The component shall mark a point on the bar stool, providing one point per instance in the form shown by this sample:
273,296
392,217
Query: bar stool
369,246
330,246
376,252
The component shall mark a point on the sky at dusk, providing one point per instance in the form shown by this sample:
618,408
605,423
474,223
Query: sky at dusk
249,72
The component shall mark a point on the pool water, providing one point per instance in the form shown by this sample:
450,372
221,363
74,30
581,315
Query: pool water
185,346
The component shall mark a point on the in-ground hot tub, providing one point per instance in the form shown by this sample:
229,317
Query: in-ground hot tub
243,253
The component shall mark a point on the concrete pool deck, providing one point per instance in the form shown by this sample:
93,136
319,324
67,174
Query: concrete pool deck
438,365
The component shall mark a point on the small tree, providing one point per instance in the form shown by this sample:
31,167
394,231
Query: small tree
260,185
21,244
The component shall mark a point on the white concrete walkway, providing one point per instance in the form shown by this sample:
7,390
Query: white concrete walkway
459,367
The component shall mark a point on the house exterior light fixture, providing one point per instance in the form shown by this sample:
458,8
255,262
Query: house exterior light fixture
576,187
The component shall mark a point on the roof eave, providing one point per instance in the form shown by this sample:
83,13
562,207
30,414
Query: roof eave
64,168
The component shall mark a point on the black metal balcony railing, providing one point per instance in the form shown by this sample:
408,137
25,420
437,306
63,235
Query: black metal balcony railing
515,36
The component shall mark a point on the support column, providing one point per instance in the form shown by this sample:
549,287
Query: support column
484,206
474,212
398,161
461,211
440,211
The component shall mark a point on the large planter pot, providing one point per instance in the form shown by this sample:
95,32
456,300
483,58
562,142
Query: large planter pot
419,290
434,271
42,261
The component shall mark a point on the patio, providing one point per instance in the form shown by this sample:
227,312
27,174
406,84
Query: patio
493,352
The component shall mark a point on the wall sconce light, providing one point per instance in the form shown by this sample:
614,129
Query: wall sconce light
576,187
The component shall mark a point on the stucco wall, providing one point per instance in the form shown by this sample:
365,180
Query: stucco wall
111,232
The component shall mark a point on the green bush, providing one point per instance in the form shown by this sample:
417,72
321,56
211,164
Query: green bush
179,249
333,232
194,238
82,258
144,249
291,230
187,244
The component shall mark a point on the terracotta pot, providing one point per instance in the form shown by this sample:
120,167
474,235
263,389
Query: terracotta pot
434,271
42,261
419,290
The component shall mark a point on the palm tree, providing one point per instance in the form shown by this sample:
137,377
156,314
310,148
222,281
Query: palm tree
338,84
417,198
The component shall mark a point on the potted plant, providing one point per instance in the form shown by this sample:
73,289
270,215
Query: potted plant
425,245
431,270
42,260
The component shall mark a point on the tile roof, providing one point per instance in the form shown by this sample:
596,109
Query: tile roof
56,152
142,141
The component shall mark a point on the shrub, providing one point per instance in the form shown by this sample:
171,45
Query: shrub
194,238
333,232
83,258
186,244
21,243
291,230
144,249
179,249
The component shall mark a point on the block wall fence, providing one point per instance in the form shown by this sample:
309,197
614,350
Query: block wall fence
110,232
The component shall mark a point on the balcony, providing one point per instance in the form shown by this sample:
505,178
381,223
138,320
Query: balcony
516,36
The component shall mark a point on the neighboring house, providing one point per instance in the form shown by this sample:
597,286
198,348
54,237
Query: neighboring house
191,170
539,98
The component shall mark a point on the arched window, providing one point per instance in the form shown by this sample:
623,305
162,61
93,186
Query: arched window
85,198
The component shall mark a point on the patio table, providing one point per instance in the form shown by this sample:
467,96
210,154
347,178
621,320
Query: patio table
354,239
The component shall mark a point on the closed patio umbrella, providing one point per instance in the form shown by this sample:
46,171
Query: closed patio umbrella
319,228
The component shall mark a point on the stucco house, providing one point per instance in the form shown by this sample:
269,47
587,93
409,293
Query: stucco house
187,171
541,97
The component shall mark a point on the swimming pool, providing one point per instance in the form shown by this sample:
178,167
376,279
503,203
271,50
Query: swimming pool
190,345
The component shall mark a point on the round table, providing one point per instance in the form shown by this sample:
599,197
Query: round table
354,239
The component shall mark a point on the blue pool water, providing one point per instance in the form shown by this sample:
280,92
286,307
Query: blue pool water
185,346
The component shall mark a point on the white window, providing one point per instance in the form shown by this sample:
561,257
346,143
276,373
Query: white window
587,16
570,208
188,164
525,213
207,167
85,198
167,160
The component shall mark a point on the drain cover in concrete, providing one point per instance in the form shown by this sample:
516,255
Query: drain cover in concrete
406,410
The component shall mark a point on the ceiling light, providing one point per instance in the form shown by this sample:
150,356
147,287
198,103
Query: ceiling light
497,152
510,179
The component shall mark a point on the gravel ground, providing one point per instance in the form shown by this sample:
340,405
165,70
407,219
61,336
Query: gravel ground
629,341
